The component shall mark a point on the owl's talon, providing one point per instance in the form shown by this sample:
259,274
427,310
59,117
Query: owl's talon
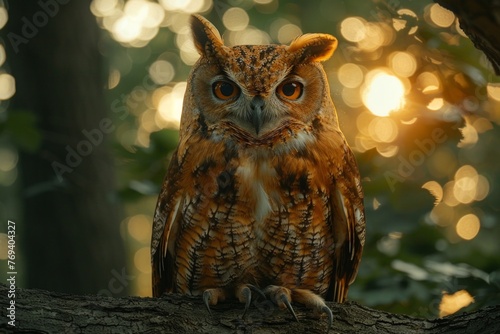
212,297
325,309
284,299
206,300
314,302
257,290
246,296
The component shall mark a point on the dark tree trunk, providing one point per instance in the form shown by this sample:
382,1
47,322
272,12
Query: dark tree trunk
480,20
39,311
69,231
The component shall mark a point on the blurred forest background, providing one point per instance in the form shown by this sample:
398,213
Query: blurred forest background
90,99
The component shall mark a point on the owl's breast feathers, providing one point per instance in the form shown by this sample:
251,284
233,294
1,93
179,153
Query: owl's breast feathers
285,208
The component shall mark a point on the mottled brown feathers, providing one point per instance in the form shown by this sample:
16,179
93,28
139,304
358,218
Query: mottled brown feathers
205,35
277,207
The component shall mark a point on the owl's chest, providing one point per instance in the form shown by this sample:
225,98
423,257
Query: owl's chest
291,211
271,187
257,187
285,198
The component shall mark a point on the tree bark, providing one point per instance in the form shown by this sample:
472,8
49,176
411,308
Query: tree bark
480,20
39,311
71,213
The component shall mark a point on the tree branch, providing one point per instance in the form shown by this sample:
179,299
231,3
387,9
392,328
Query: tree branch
480,20
39,311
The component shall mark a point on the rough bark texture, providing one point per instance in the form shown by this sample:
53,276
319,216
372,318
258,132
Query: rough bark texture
39,311
480,20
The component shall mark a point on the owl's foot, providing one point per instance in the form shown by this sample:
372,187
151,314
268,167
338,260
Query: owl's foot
243,292
283,297
212,297
314,302
244,295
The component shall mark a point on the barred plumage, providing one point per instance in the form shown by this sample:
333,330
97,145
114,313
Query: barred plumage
263,191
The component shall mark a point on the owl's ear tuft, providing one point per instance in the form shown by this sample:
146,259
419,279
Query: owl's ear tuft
206,37
313,47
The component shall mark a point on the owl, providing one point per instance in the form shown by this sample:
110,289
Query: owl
262,197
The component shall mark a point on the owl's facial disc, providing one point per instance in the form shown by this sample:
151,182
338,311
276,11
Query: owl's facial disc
250,112
261,112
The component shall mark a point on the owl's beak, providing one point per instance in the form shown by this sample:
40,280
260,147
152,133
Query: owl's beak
257,118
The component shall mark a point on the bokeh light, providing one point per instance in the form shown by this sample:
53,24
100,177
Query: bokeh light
142,260
8,159
353,29
465,185
383,93
132,23
142,263
350,75
162,72
288,32
451,303
468,226
402,20
170,106
435,190
493,90
250,35
376,36
139,227
428,83
235,19
188,53
102,8
4,16
351,97
140,22
441,16
2,55
402,64
7,86
113,78
383,129
187,6
436,103
126,29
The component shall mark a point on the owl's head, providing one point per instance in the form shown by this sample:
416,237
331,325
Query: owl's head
257,88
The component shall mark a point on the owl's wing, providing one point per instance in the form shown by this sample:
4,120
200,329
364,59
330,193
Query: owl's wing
165,223
349,230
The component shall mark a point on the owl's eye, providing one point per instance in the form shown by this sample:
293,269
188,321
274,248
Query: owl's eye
290,90
225,90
